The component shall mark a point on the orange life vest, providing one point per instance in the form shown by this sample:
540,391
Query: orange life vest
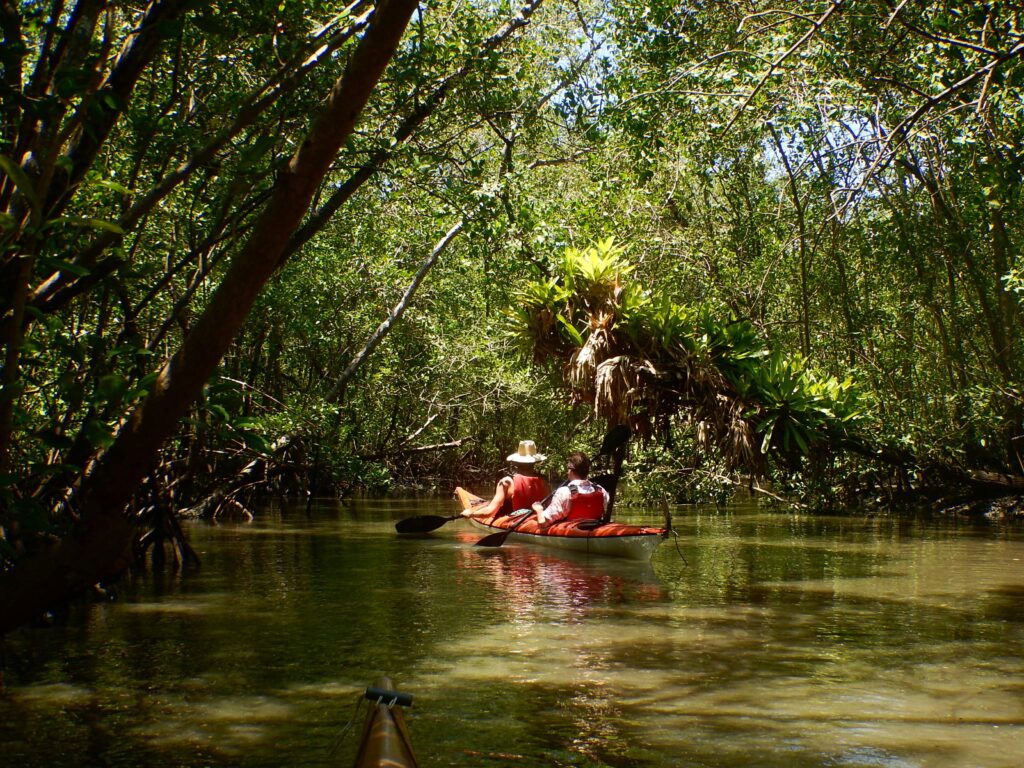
586,506
526,489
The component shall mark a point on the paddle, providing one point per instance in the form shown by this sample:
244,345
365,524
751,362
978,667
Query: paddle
424,523
497,539
616,438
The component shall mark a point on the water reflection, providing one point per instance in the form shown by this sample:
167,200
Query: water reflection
567,586
780,641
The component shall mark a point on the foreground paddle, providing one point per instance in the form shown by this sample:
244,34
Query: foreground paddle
617,437
497,539
424,523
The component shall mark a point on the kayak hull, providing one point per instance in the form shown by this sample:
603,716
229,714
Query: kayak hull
385,742
633,542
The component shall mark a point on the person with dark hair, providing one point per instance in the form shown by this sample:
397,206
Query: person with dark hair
520,489
578,499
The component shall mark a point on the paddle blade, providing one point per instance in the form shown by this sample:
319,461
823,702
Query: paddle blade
497,539
616,437
608,482
493,539
423,523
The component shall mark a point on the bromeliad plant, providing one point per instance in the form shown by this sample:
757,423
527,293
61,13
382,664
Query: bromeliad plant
639,358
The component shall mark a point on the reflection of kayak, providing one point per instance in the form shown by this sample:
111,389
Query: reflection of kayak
385,742
636,542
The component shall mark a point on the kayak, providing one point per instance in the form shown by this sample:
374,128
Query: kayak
635,542
385,742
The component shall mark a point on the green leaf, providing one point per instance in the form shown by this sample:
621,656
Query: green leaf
768,425
60,265
113,185
111,100
571,330
97,433
111,387
78,221
24,184
220,412
256,442
142,388
127,349
254,153
800,440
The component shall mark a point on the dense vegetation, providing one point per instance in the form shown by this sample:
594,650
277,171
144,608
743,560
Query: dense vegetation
834,187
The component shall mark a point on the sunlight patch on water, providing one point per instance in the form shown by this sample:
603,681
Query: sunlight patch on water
329,688
242,709
52,695
192,605
233,739
229,725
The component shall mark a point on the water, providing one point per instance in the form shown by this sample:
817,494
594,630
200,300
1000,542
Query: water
780,641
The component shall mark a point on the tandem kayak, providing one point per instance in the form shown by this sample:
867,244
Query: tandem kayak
635,542
385,742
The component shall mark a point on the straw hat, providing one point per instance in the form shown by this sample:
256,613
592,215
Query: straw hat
526,454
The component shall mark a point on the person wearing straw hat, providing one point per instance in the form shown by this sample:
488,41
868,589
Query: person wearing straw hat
521,489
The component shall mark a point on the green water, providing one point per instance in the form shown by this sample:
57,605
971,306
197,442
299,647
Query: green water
780,641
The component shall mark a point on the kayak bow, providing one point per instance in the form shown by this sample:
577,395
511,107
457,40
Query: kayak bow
385,742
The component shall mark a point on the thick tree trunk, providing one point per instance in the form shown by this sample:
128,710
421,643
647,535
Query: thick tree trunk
99,547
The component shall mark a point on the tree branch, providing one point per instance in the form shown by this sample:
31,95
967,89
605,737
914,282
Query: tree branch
815,26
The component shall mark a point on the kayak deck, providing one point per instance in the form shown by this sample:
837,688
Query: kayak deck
615,539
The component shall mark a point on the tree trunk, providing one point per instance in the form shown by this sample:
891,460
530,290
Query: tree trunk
99,547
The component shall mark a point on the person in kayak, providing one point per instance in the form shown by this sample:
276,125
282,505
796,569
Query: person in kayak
519,490
578,499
